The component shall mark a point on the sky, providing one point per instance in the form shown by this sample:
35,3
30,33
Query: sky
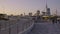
18,7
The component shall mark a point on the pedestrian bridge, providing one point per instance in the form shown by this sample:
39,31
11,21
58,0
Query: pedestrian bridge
27,26
18,26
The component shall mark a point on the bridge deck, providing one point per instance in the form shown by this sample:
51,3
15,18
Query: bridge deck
45,28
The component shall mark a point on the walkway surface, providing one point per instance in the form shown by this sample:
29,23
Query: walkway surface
45,28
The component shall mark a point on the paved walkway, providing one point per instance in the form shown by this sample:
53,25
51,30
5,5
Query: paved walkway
45,28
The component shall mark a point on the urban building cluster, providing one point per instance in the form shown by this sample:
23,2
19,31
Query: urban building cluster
38,13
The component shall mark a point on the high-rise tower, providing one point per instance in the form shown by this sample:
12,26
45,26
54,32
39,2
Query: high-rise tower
47,10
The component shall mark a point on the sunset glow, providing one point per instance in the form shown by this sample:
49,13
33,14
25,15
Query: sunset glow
18,7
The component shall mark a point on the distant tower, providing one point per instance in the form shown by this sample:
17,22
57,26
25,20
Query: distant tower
47,10
43,13
30,14
38,13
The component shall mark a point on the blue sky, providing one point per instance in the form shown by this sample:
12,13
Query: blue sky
20,6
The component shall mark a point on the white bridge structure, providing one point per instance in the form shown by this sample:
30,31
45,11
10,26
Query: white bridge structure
16,26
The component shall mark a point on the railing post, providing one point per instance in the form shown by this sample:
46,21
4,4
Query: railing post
9,28
5,25
23,26
17,28
0,27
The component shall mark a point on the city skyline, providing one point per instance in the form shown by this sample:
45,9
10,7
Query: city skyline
17,7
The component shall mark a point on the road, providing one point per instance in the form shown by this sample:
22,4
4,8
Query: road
45,28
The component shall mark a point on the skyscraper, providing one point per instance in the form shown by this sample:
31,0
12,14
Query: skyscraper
47,10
